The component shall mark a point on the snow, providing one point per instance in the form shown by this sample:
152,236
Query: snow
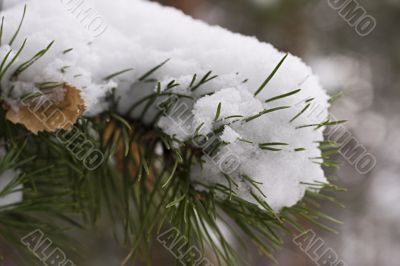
229,135
141,35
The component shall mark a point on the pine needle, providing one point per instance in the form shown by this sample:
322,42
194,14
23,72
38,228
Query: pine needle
218,113
3,71
153,70
31,61
266,111
111,76
300,113
265,83
282,96
19,27
207,77
1,30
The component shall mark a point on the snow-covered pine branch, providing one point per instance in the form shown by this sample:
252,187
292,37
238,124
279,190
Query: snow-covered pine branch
256,115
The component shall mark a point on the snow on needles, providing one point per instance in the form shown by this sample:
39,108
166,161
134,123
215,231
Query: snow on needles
141,35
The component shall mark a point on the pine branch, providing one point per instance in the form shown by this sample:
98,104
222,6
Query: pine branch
141,190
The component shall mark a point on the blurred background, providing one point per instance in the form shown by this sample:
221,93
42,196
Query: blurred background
367,70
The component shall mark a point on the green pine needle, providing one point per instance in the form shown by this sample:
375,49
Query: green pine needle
265,83
1,30
207,78
152,71
30,62
218,113
300,113
111,76
4,70
266,111
19,27
282,96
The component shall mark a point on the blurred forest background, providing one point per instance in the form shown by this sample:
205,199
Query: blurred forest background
367,70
